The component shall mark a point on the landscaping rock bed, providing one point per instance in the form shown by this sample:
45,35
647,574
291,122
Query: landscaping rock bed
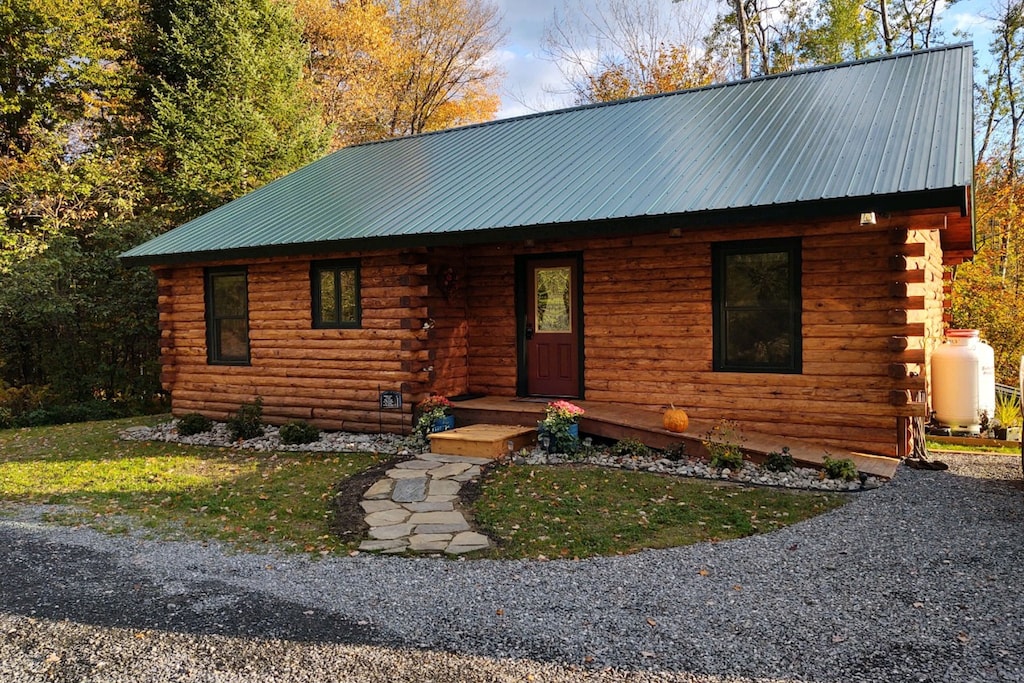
330,442
751,473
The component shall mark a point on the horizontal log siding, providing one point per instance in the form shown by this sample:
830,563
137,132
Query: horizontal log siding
448,337
648,317
935,302
327,377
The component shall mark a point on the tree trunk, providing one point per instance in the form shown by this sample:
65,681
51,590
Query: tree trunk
744,32
887,37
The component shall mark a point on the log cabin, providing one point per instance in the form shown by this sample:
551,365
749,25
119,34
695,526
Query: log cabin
771,251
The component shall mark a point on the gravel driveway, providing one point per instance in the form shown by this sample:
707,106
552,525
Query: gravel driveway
920,580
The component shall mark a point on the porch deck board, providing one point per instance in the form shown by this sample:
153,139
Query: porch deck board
619,421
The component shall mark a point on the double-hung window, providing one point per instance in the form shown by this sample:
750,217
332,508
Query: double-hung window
335,292
756,305
227,316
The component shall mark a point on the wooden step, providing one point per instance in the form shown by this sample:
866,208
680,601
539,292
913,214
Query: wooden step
483,440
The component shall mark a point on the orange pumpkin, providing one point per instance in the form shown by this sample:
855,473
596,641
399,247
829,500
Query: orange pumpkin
675,420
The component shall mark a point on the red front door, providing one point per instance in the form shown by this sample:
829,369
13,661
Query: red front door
552,327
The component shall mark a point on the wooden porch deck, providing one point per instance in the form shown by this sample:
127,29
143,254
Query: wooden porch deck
620,421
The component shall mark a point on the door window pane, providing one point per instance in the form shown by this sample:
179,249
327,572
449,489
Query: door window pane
553,299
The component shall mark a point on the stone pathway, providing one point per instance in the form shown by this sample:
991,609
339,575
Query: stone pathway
413,507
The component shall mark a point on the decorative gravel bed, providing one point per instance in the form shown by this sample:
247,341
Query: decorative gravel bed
919,580
799,477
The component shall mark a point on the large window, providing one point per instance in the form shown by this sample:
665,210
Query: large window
756,302
227,316
335,294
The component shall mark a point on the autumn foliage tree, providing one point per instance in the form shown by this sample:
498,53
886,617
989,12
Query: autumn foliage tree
988,291
400,67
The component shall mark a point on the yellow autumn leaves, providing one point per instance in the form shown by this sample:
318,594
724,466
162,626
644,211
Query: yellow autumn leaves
385,68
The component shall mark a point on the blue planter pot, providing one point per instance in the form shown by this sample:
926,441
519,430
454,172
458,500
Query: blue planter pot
547,441
443,425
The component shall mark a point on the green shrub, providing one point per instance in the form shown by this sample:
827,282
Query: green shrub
843,468
247,423
6,418
724,447
299,432
65,414
194,423
676,451
23,399
630,448
779,461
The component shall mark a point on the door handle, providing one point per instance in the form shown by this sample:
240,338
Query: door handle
529,330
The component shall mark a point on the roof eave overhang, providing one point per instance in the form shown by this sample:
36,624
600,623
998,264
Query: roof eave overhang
947,198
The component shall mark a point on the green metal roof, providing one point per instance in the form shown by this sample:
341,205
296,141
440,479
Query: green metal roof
891,127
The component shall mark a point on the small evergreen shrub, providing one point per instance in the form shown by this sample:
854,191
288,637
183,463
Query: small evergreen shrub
842,468
779,461
299,432
247,423
194,423
630,448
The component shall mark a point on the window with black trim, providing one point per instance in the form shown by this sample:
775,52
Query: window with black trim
227,316
756,303
335,294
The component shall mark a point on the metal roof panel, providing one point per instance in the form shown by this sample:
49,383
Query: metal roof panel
887,126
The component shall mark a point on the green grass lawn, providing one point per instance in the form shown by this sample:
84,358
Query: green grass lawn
583,511
241,497
971,448
283,500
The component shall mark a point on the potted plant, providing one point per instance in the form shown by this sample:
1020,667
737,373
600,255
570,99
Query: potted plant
434,415
559,431
1008,415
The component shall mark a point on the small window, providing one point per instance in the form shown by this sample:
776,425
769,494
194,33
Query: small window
227,317
756,303
335,294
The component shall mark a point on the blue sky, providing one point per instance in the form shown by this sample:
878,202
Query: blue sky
529,76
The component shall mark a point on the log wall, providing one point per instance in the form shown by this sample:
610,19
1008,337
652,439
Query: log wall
871,305
329,377
443,320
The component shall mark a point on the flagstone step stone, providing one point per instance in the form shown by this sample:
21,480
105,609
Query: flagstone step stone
416,465
378,505
387,517
409,490
397,474
412,509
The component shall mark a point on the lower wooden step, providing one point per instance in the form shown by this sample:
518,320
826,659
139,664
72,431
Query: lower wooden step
483,440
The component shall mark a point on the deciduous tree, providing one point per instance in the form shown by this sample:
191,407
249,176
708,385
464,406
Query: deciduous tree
388,67
625,48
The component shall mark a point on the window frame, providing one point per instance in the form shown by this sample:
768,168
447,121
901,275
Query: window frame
720,252
336,266
214,354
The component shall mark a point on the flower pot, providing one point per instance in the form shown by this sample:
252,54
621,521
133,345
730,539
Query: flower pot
443,424
548,441
1013,433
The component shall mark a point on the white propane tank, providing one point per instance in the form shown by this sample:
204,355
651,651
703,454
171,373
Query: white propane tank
963,380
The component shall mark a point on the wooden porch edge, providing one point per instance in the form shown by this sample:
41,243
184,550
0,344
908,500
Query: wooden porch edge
620,421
